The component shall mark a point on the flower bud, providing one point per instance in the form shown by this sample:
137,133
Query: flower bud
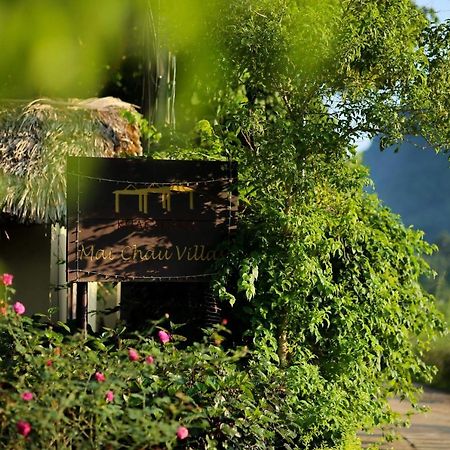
19,308
133,355
23,427
100,377
182,433
164,337
7,279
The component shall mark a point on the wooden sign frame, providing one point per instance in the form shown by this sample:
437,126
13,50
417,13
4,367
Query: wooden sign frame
149,220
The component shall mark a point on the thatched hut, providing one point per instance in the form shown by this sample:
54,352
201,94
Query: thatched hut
35,139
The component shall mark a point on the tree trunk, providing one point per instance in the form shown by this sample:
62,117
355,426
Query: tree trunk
282,339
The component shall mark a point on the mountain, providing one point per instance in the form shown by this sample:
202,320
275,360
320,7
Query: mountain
413,182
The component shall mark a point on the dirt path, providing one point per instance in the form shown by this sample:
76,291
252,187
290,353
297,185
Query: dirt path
428,431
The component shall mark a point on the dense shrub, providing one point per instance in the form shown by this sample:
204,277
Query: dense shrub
150,391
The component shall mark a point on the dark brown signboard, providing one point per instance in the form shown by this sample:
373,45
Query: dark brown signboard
136,219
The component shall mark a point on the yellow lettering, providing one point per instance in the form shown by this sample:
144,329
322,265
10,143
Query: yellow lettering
86,254
202,254
103,254
147,255
137,254
126,249
211,255
180,254
192,253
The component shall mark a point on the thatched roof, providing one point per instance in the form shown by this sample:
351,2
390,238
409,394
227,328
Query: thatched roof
35,139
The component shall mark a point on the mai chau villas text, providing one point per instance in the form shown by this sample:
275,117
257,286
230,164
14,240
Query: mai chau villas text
129,253
131,219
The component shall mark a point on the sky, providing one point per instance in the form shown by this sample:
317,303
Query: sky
442,7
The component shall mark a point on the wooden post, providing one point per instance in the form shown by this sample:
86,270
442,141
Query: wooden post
70,301
212,308
82,306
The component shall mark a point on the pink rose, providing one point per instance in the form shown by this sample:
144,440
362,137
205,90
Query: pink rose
7,279
19,308
182,433
133,355
27,396
109,396
164,337
100,377
23,427
149,360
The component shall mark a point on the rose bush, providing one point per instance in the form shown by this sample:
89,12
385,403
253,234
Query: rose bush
144,391
59,390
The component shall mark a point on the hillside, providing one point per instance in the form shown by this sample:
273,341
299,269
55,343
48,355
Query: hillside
415,183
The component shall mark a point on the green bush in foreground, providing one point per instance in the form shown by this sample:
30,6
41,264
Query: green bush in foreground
62,391
59,390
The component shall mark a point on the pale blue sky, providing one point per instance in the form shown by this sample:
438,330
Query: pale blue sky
442,7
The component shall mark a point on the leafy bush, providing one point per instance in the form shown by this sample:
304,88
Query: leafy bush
328,277
60,390
337,319
332,288
64,391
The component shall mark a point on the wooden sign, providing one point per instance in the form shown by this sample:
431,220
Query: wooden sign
136,219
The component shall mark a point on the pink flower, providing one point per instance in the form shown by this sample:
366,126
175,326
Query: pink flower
49,363
19,308
109,396
182,433
149,360
100,377
27,396
23,427
224,322
7,279
164,337
133,355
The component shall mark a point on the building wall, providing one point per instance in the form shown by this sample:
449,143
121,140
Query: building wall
25,253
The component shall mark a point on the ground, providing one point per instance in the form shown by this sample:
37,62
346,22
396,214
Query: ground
428,431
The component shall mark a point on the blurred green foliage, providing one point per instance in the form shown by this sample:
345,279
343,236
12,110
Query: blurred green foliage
376,67
62,49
